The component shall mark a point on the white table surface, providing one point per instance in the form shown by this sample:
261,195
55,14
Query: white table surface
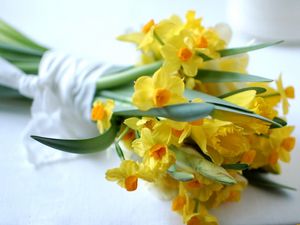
76,192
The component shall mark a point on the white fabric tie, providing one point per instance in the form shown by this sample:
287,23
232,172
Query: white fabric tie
62,98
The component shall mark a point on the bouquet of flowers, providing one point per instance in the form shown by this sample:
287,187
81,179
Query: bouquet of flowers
188,118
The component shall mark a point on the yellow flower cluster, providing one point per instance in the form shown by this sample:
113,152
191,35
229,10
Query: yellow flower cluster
224,138
181,45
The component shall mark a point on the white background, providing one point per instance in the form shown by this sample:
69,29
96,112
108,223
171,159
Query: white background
76,192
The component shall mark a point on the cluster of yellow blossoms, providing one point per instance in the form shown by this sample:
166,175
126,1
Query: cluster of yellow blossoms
156,144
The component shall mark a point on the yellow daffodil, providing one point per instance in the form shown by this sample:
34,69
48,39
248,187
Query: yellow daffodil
192,22
202,188
195,213
282,144
160,32
126,175
179,52
137,124
102,113
229,193
153,147
285,93
221,140
160,90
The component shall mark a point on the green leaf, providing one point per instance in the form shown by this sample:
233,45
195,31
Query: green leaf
191,94
253,115
189,157
212,171
216,76
180,175
116,69
203,56
235,51
259,90
119,151
237,166
179,112
8,92
279,121
20,50
127,76
259,180
82,146
115,96
28,67
11,35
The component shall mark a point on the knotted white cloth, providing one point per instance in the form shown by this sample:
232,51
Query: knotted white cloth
62,96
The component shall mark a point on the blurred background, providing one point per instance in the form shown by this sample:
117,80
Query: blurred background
76,192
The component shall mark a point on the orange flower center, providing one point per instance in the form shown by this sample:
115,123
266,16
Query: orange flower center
98,112
288,143
177,133
197,122
161,97
202,42
273,158
158,151
248,157
150,124
290,92
146,28
178,203
131,183
129,135
194,184
184,54
194,221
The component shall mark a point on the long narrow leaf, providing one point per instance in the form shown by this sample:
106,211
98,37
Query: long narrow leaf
237,166
235,51
216,76
257,179
180,112
17,37
82,146
259,90
191,94
20,50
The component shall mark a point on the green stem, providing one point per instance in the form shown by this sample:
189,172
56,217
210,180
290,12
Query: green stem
114,96
121,78
270,95
124,132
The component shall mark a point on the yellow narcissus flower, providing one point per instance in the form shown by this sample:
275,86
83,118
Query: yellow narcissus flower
160,32
193,212
202,188
126,175
137,124
282,144
153,148
192,22
160,90
247,100
102,113
179,52
229,193
285,93
225,141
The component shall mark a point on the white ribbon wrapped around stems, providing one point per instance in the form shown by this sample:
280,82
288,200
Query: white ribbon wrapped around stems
62,96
